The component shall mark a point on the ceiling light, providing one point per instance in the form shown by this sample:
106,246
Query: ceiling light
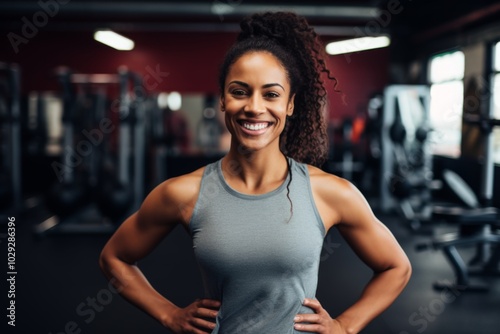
162,100
357,44
174,101
114,40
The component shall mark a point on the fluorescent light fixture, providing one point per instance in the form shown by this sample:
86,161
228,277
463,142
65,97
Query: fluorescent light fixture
162,100
114,40
357,44
174,101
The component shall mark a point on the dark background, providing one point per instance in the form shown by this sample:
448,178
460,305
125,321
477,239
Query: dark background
58,276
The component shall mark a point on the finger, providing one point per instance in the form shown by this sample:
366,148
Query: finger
308,317
210,303
313,304
315,328
203,324
195,330
206,313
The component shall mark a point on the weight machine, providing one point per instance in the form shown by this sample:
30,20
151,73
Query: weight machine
89,198
477,225
406,163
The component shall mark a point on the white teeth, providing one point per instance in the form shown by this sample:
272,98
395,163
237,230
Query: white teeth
255,126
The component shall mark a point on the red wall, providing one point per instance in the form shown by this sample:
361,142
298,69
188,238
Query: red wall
190,59
359,76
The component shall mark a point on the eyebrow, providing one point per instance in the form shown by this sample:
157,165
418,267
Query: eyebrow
241,83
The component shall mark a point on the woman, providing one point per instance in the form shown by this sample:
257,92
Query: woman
259,215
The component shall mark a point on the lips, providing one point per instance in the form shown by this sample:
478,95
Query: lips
253,127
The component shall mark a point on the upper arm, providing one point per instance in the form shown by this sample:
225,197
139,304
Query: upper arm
162,210
346,208
370,239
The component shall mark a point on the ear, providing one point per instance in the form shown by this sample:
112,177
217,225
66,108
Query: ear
222,104
291,101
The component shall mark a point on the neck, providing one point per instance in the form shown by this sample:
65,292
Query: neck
255,172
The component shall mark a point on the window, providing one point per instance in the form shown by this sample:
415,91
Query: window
496,101
446,74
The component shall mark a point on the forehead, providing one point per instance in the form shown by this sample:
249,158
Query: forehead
258,66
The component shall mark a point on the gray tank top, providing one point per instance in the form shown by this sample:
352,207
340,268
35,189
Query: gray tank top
254,256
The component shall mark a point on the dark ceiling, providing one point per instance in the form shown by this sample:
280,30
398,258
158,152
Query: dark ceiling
418,19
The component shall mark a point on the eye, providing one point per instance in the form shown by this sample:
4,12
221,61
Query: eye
272,95
238,92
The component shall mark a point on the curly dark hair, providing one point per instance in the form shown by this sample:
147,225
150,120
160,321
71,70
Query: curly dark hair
296,45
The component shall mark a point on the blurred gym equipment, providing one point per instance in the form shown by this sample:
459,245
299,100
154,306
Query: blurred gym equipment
118,195
209,130
344,162
99,184
10,141
406,163
478,226
157,148
71,192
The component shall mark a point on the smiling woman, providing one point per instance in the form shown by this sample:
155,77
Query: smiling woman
256,101
299,56
259,262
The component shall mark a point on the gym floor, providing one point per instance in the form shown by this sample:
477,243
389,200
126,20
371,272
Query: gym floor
60,288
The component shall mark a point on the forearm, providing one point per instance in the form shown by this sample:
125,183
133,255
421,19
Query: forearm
377,296
130,282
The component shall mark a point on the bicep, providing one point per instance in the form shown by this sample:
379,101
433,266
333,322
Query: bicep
369,238
140,233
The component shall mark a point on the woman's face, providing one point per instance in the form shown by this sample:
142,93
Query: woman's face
256,100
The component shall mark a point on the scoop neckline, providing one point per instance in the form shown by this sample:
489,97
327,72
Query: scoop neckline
236,193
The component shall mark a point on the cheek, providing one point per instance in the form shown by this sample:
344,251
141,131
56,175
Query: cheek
282,114
234,105
230,124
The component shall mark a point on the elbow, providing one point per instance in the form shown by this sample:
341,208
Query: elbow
104,261
406,271
400,272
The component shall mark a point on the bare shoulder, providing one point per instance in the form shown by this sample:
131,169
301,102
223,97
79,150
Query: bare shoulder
334,196
174,198
182,188
329,185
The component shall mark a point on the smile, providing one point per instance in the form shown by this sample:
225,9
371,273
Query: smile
255,126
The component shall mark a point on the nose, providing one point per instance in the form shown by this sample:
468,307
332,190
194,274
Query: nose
255,105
